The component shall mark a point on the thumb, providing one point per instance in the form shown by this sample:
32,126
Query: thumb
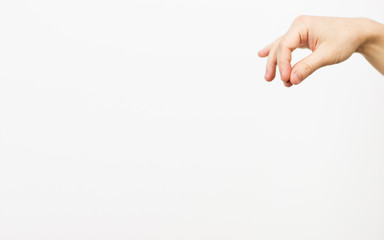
307,66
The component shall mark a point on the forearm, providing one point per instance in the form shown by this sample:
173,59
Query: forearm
373,47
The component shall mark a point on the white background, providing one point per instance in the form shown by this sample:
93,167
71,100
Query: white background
149,120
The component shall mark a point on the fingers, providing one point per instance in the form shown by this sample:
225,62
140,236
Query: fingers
270,51
280,53
284,58
270,71
265,51
307,66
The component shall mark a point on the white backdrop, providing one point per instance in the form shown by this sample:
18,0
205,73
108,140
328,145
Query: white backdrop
148,120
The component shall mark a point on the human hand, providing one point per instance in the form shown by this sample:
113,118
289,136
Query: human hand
332,40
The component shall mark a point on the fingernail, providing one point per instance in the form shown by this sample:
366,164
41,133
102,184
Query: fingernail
297,77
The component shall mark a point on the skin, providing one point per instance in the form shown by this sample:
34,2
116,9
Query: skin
332,40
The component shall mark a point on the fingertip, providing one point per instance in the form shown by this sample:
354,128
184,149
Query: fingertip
269,75
288,84
268,78
263,53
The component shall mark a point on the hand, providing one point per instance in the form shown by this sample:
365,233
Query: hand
332,40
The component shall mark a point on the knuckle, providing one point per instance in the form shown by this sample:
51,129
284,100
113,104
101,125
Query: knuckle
282,50
285,43
272,60
282,45
307,69
301,19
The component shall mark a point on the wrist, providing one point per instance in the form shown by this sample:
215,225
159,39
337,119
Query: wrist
372,37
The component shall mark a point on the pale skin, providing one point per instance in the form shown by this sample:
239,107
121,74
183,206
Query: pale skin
332,40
